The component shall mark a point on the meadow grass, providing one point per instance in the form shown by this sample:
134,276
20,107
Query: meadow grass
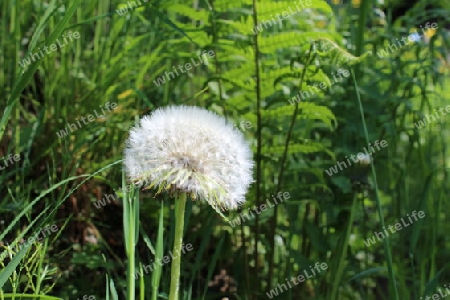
117,58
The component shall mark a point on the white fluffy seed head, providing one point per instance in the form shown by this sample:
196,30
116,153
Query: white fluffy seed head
365,159
191,150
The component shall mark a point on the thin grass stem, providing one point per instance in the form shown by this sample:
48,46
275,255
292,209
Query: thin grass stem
387,250
180,205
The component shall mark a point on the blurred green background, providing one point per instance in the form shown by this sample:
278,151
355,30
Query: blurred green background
120,53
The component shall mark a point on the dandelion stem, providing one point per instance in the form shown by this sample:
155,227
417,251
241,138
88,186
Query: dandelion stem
131,229
180,205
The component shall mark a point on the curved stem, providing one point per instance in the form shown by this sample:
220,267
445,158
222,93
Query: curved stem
180,205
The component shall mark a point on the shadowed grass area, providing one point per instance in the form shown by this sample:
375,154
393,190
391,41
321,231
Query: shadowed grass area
95,68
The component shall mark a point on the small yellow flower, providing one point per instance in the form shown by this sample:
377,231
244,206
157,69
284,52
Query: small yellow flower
430,32
125,94
128,93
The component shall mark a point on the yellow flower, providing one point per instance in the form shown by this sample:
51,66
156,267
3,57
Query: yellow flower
125,94
430,32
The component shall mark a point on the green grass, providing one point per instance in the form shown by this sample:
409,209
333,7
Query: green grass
250,79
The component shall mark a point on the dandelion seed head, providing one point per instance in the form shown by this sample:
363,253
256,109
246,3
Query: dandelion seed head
192,150
364,159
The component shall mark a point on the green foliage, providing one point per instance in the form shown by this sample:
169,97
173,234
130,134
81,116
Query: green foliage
257,78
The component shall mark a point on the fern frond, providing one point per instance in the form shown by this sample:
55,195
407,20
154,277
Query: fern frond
309,110
336,53
230,5
184,10
272,8
277,41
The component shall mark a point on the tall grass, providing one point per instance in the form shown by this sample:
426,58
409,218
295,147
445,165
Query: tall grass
98,251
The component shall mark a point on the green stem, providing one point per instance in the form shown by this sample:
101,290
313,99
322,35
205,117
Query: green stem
131,267
180,205
142,286
131,232
34,296
343,251
290,132
258,155
364,11
393,285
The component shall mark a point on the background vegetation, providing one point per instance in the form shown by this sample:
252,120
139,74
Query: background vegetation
251,78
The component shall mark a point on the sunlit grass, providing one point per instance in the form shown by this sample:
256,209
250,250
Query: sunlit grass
117,58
